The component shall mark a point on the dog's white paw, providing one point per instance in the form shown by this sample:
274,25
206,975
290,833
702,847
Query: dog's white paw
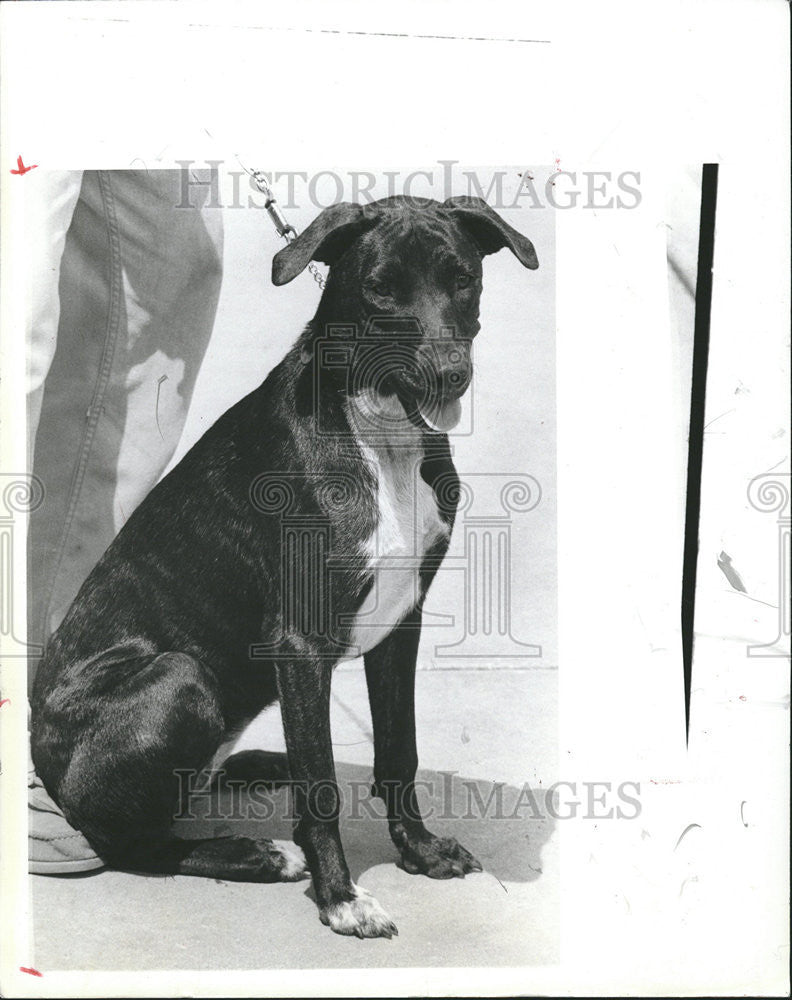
291,859
362,916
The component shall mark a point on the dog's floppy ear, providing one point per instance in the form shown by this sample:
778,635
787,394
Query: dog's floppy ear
325,239
489,230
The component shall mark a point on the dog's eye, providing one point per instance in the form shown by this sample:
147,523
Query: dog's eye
381,290
463,280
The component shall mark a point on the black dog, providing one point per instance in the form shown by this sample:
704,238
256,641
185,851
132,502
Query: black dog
210,604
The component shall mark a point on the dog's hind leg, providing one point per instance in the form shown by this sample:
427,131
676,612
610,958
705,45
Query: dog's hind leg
235,859
148,741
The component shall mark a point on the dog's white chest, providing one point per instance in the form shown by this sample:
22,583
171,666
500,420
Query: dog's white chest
408,524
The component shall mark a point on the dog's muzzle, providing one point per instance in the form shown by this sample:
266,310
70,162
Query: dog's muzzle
428,374
443,373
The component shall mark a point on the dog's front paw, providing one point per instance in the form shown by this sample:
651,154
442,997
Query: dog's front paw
437,857
362,916
289,860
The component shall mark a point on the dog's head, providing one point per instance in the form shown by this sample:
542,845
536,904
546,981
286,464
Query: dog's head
408,272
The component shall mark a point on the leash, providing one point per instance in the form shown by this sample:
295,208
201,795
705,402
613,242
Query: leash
284,229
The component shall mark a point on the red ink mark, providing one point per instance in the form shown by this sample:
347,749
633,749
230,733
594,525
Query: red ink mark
743,698
5,701
31,972
21,168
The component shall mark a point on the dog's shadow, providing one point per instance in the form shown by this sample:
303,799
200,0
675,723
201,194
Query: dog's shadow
504,826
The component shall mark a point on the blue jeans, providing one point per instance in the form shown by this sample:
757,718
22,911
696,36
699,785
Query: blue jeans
138,287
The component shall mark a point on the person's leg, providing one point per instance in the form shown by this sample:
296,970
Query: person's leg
134,307
50,199
139,283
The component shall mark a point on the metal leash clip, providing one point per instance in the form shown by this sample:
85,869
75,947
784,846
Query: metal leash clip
285,230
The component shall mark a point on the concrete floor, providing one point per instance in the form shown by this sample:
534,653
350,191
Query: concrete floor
488,726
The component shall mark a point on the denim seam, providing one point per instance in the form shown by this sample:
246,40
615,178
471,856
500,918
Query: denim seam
102,380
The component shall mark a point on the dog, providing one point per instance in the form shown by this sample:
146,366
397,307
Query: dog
181,634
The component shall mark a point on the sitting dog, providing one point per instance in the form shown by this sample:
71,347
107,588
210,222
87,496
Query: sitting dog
206,608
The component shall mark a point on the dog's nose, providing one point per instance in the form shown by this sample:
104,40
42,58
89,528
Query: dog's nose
454,369
447,368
